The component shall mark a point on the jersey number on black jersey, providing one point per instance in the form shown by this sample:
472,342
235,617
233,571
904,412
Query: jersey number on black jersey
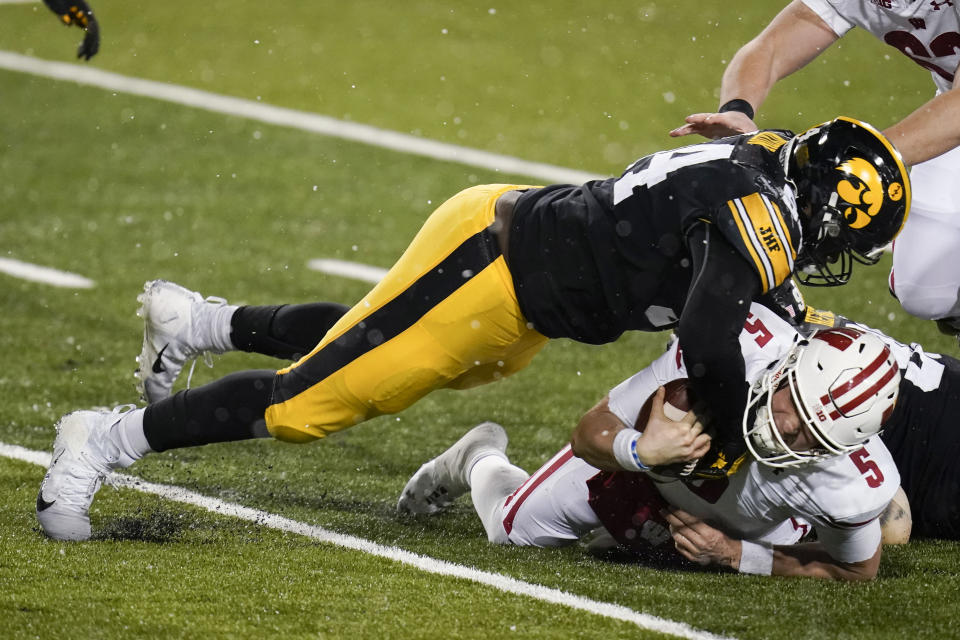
653,169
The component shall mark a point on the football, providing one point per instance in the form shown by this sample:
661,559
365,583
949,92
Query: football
676,403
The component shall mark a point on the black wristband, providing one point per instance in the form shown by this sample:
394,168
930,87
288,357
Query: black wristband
737,104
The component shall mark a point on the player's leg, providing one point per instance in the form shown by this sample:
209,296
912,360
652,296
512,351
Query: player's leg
180,324
85,450
492,480
286,331
89,444
361,371
547,509
926,278
446,308
550,509
926,275
441,480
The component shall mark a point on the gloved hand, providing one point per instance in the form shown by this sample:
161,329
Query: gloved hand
78,12
721,461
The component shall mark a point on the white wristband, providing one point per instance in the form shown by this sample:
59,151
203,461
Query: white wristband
625,450
756,558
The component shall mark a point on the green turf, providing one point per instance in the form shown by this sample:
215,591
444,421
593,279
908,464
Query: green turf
124,189
591,87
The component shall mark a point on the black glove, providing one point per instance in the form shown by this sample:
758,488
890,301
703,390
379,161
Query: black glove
721,461
78,12
725,456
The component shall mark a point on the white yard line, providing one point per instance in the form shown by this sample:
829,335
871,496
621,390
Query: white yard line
45,275
423,563
353,270
367,135
281,116
91,76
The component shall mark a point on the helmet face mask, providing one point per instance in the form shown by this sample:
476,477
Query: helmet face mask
826,261
853,194
843,384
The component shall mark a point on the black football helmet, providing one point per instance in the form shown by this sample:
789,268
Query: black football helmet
853,196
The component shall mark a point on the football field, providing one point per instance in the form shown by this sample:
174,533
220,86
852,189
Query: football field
288,152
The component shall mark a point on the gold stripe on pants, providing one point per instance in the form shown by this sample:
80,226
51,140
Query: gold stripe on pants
445,315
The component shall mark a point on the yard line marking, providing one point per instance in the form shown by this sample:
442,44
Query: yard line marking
46,275
354,270
424,563
293,118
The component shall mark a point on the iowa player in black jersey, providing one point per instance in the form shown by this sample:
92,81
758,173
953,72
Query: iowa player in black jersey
922,436
686,238
683,239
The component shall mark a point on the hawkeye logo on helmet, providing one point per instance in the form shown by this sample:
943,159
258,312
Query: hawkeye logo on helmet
862,191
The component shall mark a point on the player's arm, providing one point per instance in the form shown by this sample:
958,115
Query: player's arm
701,543
812,560
79,13
662,442
718,303
793,38
930,131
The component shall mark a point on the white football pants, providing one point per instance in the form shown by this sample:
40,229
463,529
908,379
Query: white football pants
926,268
547,509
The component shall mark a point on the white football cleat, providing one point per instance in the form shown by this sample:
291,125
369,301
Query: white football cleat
84,452
445,478
177,328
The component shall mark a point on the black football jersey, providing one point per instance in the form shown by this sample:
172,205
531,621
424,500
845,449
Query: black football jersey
923,438
592,261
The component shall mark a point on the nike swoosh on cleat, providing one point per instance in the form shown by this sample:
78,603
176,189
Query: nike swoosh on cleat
158,363
43,505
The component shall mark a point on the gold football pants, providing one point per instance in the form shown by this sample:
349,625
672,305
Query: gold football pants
446,315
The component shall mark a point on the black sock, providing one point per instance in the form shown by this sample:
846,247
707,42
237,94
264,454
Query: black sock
283,331
225,410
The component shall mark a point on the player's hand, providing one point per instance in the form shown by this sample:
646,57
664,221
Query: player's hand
78,12
698,542
715,125
667,441
724,459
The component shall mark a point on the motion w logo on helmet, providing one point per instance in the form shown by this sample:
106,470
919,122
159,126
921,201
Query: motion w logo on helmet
862,190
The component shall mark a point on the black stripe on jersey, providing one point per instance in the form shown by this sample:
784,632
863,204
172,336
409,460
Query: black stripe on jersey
396,316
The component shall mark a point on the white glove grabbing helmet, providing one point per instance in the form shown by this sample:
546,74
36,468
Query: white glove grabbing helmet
844,384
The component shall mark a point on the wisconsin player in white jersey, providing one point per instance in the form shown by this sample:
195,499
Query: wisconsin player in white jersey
814,407
921,434
924,278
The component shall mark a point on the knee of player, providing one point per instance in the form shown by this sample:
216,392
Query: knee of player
291,435
923,302
497,535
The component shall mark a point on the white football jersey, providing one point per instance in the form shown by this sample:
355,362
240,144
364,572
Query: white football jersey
926,31
765,339
840,497
924,370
